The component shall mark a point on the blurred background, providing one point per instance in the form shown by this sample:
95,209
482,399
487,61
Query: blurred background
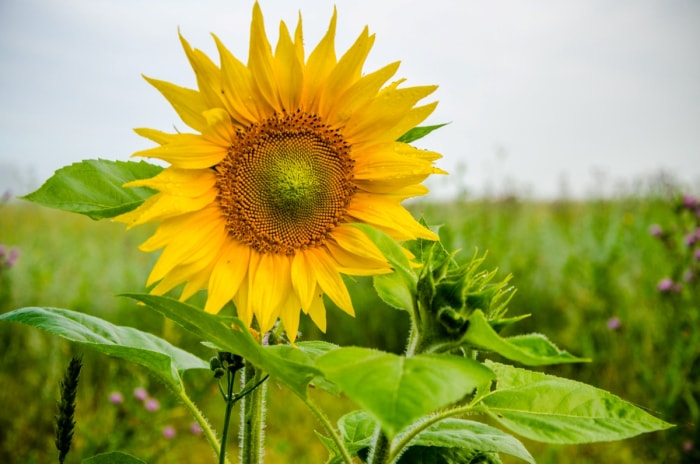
547,98
574,156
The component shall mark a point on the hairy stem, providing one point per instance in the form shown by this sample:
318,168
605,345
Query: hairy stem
252,416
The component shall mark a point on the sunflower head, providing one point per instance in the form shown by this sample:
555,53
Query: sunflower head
285,153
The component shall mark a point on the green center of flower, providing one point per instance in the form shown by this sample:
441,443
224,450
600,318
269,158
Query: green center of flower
285,183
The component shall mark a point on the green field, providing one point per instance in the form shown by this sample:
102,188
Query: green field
576,265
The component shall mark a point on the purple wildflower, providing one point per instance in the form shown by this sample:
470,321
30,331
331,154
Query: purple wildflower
665,285
656,231
688,446
140,393
689,202
689,276
151,405
12,257
614,323
697,254
195,428
169,432
116,398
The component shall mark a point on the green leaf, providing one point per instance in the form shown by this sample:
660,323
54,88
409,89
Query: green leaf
550,409
356,429
231,335
418,133
95,188
306,353
397,289
115,457
531,349
398,390
460,433
163,359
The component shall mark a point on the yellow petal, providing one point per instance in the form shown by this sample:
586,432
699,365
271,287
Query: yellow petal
227,275
289,73
346,72
378,121
157,136
179,182
200,238
387,215
391,166
219,128
329,279
187,102
163,206
356,242
289,314
351,264
271,283
321,61
303,280
165,232
242,302
207,73
317,310
359,94
188,151
237,88
260,60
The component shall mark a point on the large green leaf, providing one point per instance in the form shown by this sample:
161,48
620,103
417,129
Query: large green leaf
95,188
397,289
531,349
554,410
163,359
232,335
398,390
115,457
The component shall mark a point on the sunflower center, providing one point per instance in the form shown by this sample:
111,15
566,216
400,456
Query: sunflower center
285,183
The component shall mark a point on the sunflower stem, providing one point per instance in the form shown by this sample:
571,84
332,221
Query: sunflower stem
252,416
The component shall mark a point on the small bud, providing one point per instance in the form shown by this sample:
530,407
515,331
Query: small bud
219,372
214,363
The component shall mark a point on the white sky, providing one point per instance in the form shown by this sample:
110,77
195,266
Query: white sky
537,92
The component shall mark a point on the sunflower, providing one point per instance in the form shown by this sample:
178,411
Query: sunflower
257,205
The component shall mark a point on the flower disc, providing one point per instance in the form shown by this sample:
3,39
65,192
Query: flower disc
285,183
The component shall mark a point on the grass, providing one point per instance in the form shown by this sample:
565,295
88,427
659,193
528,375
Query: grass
576,265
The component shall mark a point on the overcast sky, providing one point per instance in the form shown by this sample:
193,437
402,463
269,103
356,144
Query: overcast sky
539,94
